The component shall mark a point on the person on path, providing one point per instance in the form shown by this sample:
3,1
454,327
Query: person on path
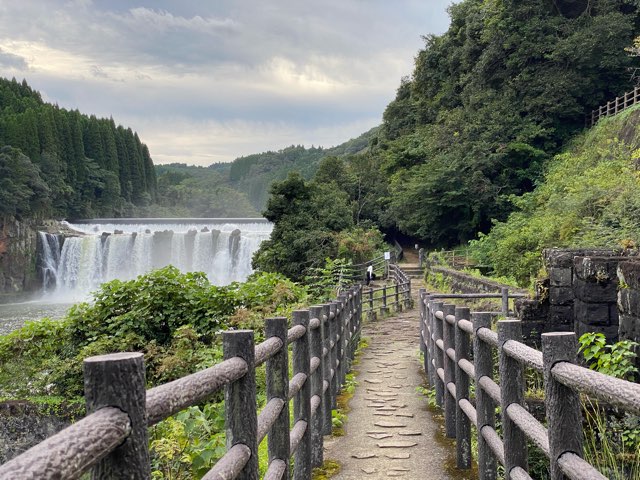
369,274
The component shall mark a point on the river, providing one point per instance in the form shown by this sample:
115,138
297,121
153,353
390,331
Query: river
14,315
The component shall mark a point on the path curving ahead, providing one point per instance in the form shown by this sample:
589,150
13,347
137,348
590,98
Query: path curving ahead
390,433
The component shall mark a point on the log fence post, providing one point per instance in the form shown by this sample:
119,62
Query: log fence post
315,346
485,406
326,370
505,301
449,373
241,419
118,380
333,348
342,337
302,400
562,404
384,310
438,353
511,391
463,424
277,373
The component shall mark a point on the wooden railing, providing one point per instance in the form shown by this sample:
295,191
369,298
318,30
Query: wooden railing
446,334
615,106
396,295
112,440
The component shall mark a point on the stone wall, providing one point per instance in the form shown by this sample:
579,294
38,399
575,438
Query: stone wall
595,292
629,302
464,283
560,289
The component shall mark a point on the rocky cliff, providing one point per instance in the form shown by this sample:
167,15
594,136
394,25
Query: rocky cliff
18,247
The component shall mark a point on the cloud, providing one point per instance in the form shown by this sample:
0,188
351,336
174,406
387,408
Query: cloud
11,60
247,73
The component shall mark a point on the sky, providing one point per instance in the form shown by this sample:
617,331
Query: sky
209,81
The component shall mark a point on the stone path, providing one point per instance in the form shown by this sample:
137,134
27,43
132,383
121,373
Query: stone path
390,433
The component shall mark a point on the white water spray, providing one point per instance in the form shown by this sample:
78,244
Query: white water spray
221,250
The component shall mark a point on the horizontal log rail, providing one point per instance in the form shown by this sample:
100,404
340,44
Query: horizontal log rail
112,440
614,107
450,336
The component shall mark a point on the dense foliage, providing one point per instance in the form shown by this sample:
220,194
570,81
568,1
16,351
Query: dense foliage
254,174
190,191
589,196
171,317
65,164
491,100
311,222
471,134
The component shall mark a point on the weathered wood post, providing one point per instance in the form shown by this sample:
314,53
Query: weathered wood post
278,387
421,329
302,400
431,346
463,424
384,310
562,404
326,370
485,406
512,391
397,298
334,316
409,299
449,372
438,353
424,338
372,312
342,336
360,303
315,341
353,325
505,302
118,380
241,419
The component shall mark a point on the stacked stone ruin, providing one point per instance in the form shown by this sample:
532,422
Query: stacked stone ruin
586,291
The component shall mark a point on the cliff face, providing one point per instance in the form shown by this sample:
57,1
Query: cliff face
18,250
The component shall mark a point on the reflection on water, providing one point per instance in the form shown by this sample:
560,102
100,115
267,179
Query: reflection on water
14,315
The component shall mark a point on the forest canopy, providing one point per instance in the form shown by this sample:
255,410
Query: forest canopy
61,163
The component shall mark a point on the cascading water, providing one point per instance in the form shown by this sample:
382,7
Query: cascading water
222,250
49,259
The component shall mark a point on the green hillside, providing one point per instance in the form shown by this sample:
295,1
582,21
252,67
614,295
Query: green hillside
190,191
61,163
589,197
482,121
254,174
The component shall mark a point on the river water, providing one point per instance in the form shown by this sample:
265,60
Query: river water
14,315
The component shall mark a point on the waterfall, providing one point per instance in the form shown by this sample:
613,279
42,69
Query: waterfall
104,252
49,257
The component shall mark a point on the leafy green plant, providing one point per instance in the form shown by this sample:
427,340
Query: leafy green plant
612,439
616,360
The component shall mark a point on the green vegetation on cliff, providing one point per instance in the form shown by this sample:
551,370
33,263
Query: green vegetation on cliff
171,317
469,134
491,100
589,197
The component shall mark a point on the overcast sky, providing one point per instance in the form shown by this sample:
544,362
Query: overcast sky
208,81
